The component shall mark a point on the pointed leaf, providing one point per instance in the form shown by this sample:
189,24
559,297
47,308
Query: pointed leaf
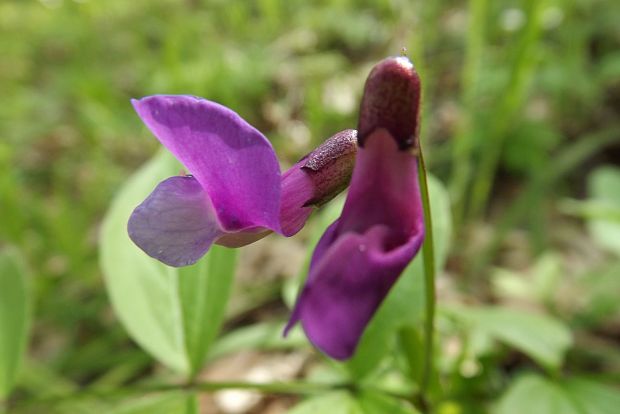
333,403
542,337
172,313
604,187
204,290
14,317
374,403
263,336
593,397
166,403
534,394
143,291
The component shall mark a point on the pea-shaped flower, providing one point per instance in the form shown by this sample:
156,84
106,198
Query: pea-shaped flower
235,193
381,228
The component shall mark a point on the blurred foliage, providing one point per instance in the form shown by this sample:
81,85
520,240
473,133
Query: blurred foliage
521,121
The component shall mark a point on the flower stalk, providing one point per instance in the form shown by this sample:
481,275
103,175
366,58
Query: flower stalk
428,254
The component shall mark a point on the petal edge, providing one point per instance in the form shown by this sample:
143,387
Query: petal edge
176,223
235,164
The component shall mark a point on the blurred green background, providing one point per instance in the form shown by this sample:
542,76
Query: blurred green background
521,124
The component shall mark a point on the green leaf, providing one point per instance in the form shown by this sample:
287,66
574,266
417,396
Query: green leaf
598,295
259,336
375,403
542,337
14,317
411,342
604,189
143,291
174,314
204,290
165,403
442,220
367,402
332,403
405,303
539,283
533,394
593,397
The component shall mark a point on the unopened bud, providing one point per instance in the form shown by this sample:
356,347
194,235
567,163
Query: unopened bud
391,101
317,178
331,166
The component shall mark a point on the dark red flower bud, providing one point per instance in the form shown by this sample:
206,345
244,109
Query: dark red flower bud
391,101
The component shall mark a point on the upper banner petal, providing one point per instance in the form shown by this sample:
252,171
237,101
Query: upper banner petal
235,164
176,223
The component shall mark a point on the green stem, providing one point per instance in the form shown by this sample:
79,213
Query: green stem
295,388
275,388
428,254
288,388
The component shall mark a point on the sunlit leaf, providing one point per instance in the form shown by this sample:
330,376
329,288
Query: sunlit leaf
166,403
332,403
411,342
365,402
533,394
598,294
174,314
375,403
259,336
538,284
604,188
204,290
542,337
593,397
14,317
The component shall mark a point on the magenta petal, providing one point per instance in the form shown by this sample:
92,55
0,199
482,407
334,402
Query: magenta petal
347,285
361,256
297,189
176,223
324,243
233,162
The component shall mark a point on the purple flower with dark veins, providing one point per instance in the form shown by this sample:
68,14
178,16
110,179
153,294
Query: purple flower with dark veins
235,193
381,228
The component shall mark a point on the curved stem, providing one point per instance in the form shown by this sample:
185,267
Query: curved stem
428,254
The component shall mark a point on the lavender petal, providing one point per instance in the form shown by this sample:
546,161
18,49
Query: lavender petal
176,223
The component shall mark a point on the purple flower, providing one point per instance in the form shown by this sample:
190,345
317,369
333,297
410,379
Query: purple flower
235,194
381,228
